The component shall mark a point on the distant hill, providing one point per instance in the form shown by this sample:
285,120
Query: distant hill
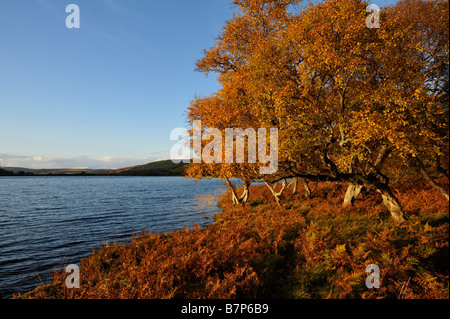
5,172
54,171
159,168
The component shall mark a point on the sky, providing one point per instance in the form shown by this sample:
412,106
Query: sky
106,94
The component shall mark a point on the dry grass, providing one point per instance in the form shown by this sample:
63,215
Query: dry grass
310,248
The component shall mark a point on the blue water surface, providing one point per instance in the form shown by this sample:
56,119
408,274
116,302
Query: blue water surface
49,222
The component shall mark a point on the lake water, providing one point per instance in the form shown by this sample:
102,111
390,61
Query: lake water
48,222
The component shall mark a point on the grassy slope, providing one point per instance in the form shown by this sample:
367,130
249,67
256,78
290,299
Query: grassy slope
159,168
310,248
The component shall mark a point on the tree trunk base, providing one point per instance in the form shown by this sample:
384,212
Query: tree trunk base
238,200
276,194
392,204
351,194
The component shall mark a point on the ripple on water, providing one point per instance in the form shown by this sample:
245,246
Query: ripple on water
47,222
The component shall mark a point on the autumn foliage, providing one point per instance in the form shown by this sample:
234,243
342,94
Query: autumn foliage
310,248
362,119
352,104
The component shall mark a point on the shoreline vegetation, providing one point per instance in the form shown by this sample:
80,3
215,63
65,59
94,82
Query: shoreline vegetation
361,121
309,247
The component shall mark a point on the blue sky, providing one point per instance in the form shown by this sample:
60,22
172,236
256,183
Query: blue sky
108,94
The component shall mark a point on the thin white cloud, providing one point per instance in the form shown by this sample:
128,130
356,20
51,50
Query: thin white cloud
133,38
119,9
58,9
164,158
46,162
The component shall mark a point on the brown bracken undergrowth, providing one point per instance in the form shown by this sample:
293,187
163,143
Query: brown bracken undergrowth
308,248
